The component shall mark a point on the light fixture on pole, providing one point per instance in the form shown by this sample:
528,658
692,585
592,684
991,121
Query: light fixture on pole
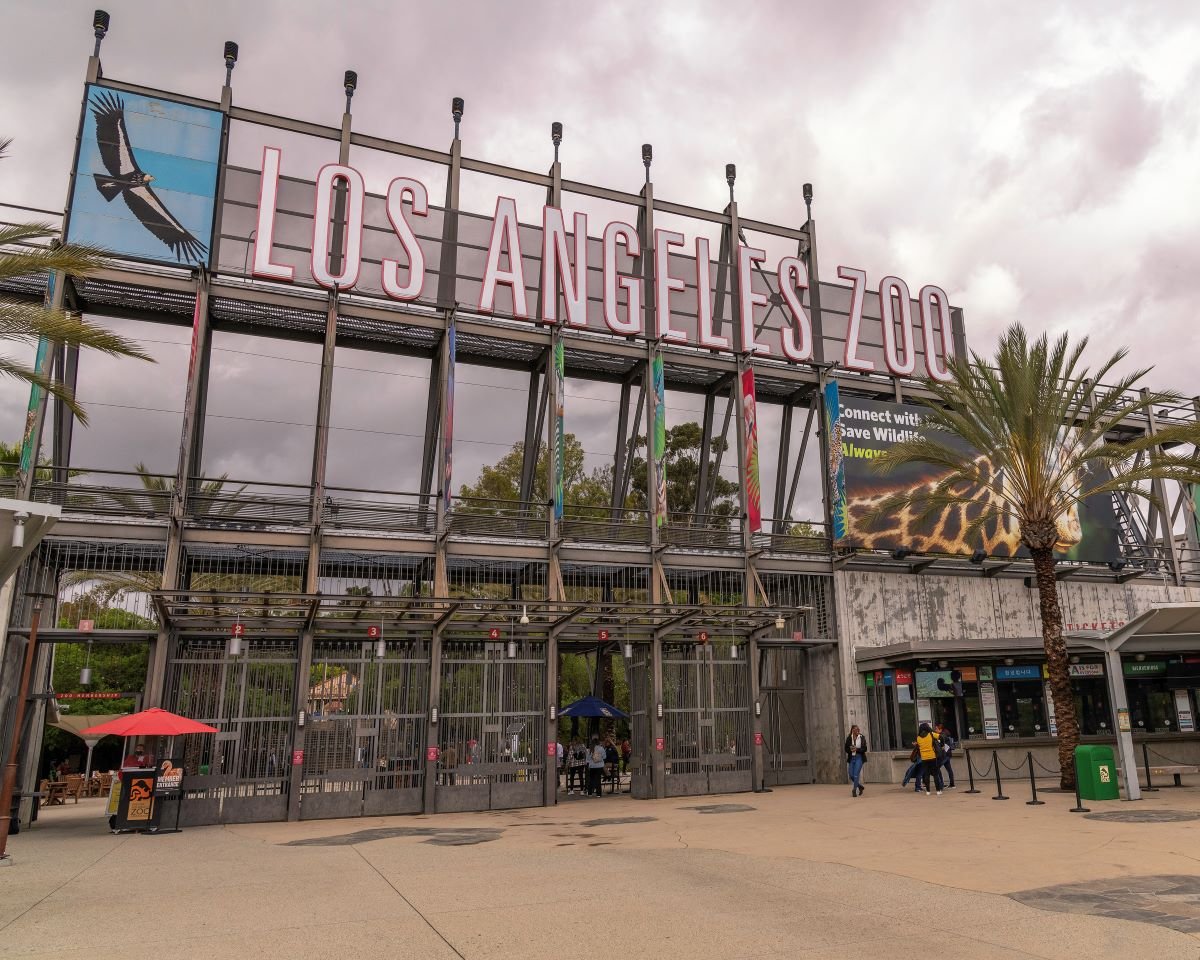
780,622
18,536
85,675
524,616
512,639
231,57
380,646
100,22
628,650
235,636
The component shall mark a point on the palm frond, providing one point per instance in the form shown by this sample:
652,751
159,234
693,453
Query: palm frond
25,322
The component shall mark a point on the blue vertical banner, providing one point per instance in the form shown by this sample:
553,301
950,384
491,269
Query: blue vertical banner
659,440
836,468
448,432
560,436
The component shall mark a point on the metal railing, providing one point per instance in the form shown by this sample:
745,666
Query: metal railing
241,504
490,517
605,525
703,531
354,508
99,493
802,537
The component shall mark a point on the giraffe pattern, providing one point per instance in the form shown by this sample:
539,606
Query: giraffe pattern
947,529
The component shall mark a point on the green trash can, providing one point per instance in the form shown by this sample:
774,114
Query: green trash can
1097,770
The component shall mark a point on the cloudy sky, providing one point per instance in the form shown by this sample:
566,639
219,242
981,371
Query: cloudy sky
1037,160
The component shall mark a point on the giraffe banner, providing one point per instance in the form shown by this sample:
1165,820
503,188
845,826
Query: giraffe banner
659,441
868,428
750,444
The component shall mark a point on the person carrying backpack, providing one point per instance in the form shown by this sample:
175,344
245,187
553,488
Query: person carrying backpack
595,767
576,766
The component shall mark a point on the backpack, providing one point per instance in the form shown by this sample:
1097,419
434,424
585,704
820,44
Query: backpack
598,754
580,754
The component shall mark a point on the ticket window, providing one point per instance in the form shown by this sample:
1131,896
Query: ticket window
1022,708
1151,706
1092,706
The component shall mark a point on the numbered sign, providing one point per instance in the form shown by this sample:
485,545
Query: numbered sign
702,636
374,632
603,635
237,630
494,633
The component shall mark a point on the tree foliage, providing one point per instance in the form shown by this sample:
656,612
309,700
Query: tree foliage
684,441
1047,425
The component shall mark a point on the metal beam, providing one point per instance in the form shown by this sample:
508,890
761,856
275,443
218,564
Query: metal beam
791,500
631,448
781,465
535,418
621,449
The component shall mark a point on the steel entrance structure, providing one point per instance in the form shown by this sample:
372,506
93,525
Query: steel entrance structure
454,568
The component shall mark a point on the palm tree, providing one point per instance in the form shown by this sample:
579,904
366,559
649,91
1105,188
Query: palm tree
1046,430
31,249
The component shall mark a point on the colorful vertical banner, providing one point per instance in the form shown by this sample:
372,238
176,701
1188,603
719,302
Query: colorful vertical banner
448,433
659,441
41,364
837,469
750,435
560,436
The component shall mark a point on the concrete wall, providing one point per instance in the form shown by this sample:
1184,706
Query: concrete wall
876,609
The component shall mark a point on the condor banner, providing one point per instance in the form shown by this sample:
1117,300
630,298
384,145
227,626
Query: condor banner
145,179
869,428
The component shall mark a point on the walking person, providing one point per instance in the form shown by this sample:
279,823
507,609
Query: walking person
561,764
856,756
576,765
948,745
913,772
930,749
595,767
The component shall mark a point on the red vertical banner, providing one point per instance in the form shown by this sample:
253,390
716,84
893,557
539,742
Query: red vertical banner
750,435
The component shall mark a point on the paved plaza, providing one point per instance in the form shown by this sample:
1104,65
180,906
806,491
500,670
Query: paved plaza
798,872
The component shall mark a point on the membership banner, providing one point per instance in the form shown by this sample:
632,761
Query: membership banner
835,467
560,437
659,441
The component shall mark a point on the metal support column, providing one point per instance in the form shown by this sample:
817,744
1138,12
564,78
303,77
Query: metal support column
1120,702
813,402
781,468
620,451
535,418
321,447
706,436
808,250
303,669
429,783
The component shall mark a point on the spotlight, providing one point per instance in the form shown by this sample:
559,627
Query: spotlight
556,133
780,622
512,649
235,646
457,105
1140,657
380,648
1116,566
730,173
85,676
943,664
900,553
231,52
524,617
647,156
808,193
18,534
628,650
350,82
979,556
100,22
1008,661
733,652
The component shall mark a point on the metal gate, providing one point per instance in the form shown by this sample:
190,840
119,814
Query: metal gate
492,731
239,775
706,719
785,715
364,744
641,762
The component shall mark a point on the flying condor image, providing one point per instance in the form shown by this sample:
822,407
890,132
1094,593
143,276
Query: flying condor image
127,179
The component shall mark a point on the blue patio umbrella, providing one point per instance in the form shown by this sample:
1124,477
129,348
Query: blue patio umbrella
592,707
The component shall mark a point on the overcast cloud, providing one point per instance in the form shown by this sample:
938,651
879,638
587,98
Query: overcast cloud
1038,160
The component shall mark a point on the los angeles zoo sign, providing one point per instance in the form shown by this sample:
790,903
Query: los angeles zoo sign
564,255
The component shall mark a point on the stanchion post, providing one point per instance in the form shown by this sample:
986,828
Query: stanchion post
1035,802
1079,807
1150,787
970,773
999,789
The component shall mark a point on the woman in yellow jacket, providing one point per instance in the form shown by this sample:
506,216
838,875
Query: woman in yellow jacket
929,748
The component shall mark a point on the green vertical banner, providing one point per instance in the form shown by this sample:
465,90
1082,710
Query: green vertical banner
448,434
750,435
42,365
659,447
836,469
560,436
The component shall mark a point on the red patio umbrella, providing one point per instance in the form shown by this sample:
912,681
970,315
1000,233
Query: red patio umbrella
154,722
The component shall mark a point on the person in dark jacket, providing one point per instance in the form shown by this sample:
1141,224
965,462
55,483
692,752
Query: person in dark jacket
856,756
948,745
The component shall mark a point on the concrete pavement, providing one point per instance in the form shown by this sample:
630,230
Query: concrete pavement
799,872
